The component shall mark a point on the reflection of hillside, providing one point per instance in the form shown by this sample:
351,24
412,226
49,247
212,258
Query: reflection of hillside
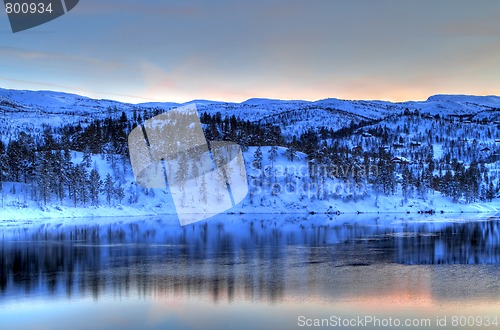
264,260
457,243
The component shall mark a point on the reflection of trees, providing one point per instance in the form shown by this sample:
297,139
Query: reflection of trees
258,259
473,243
143,260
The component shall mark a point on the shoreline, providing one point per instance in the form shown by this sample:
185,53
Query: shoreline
126,212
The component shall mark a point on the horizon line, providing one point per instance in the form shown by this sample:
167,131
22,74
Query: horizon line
151,100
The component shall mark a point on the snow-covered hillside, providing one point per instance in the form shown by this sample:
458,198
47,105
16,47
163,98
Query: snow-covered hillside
56,102
459,105
64,155
49,107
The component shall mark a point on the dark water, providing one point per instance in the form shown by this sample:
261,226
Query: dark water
248,272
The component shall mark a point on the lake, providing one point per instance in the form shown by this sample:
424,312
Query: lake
252,272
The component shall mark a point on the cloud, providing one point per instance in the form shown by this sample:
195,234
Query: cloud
13,54
185,49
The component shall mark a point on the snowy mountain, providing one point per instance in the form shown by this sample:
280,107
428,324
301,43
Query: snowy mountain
55,102
65,155
43,103
446,105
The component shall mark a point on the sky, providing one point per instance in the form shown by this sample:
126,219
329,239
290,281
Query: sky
232,50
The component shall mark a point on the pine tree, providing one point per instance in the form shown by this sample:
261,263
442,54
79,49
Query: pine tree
223,172
290,153
87,157
119,192
59,175
257,159
490,192
81,183
95,184
203,190
44,177
406,182
195,170
273,154
108,188
182,171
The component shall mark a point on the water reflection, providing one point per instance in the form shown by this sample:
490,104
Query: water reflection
254,259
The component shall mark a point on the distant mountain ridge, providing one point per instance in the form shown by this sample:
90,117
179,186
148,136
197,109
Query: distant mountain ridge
39,107
52,98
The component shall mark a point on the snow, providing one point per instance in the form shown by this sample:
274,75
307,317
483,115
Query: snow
261,101
299,202
29,110
57,101
455,104
489,100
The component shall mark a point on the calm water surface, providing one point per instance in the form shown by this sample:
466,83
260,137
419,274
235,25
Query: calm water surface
249,272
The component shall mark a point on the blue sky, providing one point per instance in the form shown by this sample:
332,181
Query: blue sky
161,50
